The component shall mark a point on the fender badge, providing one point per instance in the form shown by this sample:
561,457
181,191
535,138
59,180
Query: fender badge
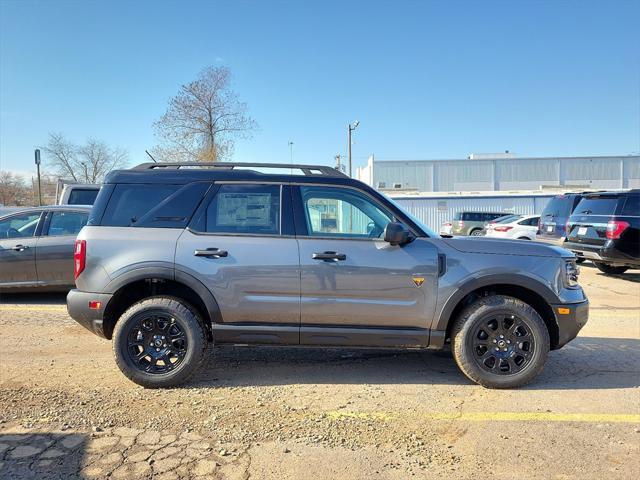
418,281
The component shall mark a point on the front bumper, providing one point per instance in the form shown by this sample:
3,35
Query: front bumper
89,318
571,317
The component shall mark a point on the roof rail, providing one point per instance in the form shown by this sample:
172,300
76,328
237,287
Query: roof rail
309,170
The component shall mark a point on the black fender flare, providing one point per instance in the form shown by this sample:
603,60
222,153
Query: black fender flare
548,295
168,273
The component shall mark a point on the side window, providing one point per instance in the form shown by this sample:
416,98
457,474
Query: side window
342,212
67,223
82,196
632,206
19,226
249,209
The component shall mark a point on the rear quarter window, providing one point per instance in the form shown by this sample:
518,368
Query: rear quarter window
153,206
632,206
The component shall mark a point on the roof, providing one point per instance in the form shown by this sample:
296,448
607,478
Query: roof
13,210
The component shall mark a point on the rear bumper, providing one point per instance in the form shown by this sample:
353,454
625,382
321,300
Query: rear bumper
556,241
571,317
91,319
606,253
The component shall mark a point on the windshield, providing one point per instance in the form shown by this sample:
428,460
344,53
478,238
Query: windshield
422,226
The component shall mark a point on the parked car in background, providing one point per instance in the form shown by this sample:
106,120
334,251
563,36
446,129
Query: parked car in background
521,227
605,228
36,247
78,194
553,219
473,223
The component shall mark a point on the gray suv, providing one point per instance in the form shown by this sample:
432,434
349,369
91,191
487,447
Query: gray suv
179,256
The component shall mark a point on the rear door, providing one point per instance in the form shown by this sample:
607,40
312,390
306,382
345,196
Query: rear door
588,224
54,252
240,244
350,276
18,240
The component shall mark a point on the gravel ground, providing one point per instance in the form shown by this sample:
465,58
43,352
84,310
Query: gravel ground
67,412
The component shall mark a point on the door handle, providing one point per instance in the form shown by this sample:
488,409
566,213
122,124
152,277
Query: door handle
211,253
20,248
329,256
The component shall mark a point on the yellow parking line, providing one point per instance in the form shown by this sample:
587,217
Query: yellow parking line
496,416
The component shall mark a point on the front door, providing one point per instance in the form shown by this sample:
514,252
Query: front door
350,276
240,244
17,249
54,253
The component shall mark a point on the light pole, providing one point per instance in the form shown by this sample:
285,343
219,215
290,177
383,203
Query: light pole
351,128
291,151
37,155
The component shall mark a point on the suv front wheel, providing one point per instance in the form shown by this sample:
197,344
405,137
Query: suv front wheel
159,342
500,342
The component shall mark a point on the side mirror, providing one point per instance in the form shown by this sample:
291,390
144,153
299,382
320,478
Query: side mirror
396,233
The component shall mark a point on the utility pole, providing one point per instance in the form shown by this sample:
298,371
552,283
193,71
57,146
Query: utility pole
37,154
351,128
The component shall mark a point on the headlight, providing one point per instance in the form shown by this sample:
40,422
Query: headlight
571,273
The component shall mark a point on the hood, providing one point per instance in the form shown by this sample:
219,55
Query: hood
499,246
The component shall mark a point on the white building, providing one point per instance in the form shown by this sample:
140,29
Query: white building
480,172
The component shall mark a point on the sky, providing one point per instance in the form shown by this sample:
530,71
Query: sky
426,79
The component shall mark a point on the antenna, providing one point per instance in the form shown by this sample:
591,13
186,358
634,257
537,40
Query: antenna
151,156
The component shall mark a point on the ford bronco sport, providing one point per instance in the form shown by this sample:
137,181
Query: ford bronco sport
179,256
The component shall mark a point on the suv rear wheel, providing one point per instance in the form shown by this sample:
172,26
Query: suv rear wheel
159,342
610,269
500,342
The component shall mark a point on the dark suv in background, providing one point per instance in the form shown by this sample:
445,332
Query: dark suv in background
605,228
553,219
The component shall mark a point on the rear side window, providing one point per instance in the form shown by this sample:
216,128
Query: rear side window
248,209
67,223
598,205
130,202
632,206
83,196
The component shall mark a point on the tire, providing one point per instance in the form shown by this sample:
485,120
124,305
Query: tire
478,317
610,269
476,233
524,238
154,320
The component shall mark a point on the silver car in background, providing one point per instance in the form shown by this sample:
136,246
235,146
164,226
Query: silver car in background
36,247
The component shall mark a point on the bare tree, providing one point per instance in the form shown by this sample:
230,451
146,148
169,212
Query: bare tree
88,163
203,120
14,190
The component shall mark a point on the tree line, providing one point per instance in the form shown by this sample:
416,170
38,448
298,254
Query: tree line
202,122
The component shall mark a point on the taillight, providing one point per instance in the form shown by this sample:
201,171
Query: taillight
79,257
461,223
502,229
615,229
